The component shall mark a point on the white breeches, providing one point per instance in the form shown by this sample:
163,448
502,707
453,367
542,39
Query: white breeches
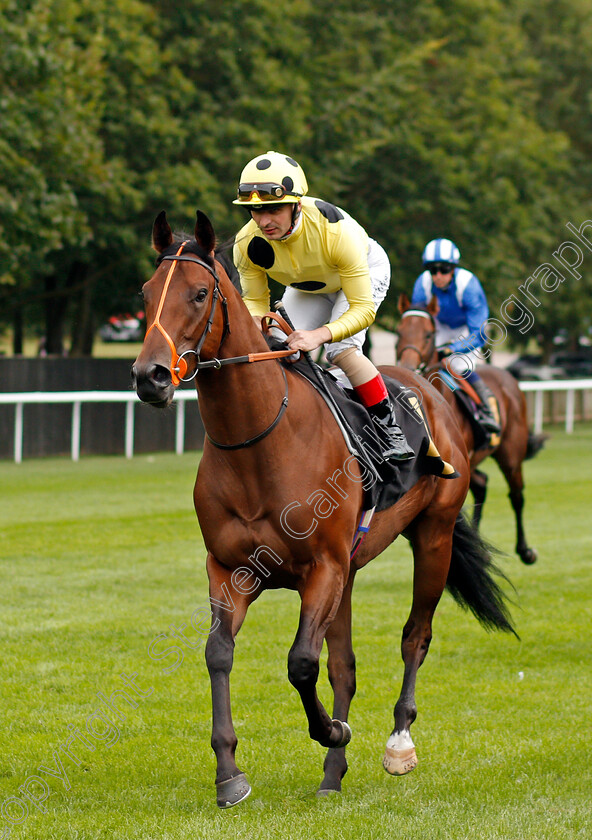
461,362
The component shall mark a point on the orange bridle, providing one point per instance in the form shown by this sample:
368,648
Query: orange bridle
178,364
178,367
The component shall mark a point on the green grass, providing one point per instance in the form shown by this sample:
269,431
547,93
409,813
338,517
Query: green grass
100,557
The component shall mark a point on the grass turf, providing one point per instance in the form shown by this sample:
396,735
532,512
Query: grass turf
101,557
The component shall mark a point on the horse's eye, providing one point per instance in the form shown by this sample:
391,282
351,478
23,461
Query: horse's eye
201,295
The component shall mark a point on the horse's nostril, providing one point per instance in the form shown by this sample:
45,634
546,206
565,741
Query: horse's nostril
161,375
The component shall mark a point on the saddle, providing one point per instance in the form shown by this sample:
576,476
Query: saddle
385,482
469,402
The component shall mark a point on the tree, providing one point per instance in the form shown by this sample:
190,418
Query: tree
439,136
420,119
49,151
559,33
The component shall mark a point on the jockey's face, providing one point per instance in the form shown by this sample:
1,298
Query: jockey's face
274,221
441,274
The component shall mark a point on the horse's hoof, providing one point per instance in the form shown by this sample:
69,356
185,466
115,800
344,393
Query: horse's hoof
529,556
327,792
346,733
232,791
399,762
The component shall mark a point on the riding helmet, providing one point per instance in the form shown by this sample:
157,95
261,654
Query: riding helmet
441,250
271,178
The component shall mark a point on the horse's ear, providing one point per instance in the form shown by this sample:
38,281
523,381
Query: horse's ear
162,235
204,233
433,306
404,303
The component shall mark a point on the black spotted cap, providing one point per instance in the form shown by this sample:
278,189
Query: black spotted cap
279,177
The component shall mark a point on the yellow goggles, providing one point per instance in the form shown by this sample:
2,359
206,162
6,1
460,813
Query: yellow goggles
264,192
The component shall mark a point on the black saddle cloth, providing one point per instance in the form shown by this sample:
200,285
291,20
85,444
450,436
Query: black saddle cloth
385,482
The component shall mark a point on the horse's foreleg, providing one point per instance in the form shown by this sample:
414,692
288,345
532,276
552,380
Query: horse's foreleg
320,600
229,608
432,546
478,487
341,665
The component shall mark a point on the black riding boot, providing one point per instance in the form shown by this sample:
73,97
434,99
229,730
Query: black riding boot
487,409
394,442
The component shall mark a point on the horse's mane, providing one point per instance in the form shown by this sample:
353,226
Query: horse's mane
223,254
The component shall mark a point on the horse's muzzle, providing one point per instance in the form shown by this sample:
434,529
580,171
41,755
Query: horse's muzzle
153,384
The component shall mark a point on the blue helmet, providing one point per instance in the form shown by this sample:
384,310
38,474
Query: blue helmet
441,250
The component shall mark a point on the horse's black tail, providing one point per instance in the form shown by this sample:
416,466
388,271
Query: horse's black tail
534,445
471,582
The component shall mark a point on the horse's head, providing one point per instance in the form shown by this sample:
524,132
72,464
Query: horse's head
416,333
185,310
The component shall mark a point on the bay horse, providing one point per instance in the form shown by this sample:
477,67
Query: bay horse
416,350
278,498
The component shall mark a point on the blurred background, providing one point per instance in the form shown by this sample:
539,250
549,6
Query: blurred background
469,119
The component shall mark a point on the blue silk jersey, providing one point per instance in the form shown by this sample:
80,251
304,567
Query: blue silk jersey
462,304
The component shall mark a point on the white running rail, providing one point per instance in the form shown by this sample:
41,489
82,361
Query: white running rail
76,398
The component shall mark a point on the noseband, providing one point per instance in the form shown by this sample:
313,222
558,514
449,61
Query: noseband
178,362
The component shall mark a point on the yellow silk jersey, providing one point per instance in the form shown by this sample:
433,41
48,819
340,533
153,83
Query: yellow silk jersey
326,252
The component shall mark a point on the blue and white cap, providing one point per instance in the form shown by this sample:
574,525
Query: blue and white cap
441,250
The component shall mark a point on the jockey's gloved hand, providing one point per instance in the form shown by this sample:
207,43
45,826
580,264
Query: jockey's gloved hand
443,352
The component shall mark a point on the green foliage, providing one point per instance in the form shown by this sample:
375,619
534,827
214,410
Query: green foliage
464,119
50,151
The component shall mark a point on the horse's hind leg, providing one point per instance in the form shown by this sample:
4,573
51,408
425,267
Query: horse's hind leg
228,612
478,487
527,554
512,471
341,665
432,547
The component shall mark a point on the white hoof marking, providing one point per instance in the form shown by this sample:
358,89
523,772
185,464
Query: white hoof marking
399,757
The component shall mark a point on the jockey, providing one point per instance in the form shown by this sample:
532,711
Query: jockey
459,323
336,277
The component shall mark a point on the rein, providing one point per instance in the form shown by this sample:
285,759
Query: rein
250,441
257,357
263,356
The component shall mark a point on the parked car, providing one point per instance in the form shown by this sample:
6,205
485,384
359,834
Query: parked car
561,365
576,365
124,327
531,366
